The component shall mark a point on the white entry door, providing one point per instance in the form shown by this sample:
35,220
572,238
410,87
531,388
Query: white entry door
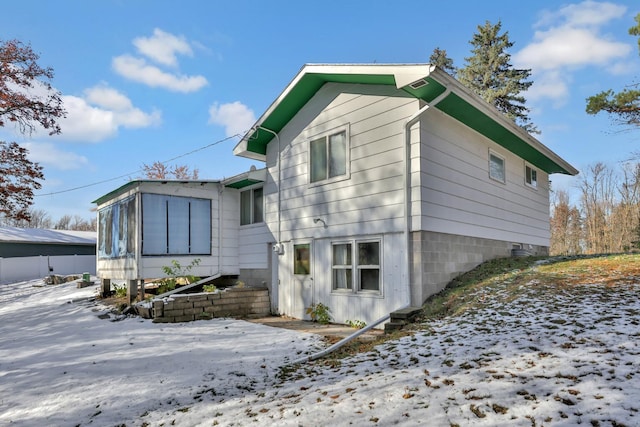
302,279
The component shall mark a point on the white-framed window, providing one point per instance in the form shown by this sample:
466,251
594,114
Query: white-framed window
531,176
497,169
356,266
251,206
173,225
329,156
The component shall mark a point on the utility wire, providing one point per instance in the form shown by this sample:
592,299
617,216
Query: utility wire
139,170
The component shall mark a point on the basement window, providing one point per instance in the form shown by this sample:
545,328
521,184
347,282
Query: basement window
356,266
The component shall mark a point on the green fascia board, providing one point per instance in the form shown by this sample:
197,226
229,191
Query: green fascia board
453,105
299,95
242,184
110,195
459,109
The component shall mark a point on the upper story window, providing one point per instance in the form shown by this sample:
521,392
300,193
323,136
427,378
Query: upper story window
497,167
328,156
531,176
251,206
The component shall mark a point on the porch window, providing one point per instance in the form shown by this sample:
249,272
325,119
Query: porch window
496,167
361,257
117,229
531,176
174,225
251,206
328,156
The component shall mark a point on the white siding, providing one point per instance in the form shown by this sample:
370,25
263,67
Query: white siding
253,242
371,198
369,202
452,192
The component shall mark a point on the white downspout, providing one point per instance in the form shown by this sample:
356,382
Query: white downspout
279,252
413,119
220,227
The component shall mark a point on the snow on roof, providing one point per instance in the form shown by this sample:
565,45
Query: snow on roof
39,235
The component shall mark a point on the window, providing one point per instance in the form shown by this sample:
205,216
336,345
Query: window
328,156
251,206
342,267
365,262
302,259
174,225
496,167
117,227
531,176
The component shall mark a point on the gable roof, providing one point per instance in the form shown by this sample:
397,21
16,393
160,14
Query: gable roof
422,81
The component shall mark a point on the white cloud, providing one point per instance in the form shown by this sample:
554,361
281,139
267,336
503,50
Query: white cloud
137,69
569,39
236,117
48,154
568,46
100,114
587,13
162,47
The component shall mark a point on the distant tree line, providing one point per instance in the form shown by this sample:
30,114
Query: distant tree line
39,218
606,219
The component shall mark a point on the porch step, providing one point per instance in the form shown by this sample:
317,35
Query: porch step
401,318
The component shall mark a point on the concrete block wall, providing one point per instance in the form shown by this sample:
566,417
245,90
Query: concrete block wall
437,258
230,302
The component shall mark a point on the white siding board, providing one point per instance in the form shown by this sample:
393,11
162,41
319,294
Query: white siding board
455,194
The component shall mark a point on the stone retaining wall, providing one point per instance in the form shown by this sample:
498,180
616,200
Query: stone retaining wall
230,302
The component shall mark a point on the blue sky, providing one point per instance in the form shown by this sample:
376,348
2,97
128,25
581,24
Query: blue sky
152,80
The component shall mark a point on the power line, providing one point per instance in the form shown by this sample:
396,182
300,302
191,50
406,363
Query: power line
139,170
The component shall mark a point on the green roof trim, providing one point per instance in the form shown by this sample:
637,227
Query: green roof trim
244,183
299,95
460,104
459,109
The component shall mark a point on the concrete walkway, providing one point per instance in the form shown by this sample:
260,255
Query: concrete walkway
330,330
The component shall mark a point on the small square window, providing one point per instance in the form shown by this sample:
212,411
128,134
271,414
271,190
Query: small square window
356,266
496,167
531,176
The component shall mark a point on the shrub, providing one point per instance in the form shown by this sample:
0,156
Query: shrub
319,313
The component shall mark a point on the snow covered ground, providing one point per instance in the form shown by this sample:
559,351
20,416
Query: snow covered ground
560,358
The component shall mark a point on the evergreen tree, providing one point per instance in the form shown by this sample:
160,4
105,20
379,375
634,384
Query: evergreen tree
624,105
489,73
440,59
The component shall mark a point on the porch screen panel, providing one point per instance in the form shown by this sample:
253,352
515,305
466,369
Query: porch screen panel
174,225
178,221
200,221
154,224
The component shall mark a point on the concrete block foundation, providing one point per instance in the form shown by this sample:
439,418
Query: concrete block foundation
437,258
